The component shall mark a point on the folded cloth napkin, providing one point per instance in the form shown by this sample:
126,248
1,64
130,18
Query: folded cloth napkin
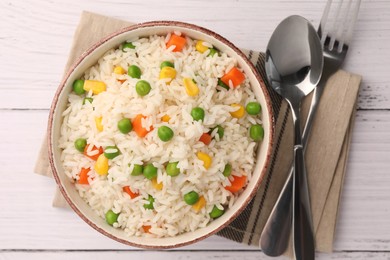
326,155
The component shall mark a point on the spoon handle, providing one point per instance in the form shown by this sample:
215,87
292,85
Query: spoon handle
302,227
276,232
302,231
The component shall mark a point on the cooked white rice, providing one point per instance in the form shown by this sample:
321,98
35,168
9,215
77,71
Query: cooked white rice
171,215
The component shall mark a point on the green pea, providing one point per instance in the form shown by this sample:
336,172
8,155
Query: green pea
172,169
87,99
165,133
134,71
256,132
166,64
221,84
80,144
191,197
197,113
149,205
125,126
110,152
111,217
216,212
128,45
227,170
220,131
78,86
142,87
212,52
150,171
253,108
137,170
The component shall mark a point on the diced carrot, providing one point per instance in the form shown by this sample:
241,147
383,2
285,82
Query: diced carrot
94,153
146,228
83,176
237,183
131,194
137,126
205,138
178,41
235,75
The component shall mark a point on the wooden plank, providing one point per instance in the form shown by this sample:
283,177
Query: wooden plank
148,255
36,37
27,220
366,192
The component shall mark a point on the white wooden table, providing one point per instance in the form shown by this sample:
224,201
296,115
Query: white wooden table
35,38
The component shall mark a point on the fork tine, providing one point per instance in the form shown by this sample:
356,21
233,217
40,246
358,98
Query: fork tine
324,19
345,29
338,37
333,26
327,23
352,22
337,23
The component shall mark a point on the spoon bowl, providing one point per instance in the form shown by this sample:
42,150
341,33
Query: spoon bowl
294,58
294,63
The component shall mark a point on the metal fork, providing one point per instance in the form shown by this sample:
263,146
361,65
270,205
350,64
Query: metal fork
335,31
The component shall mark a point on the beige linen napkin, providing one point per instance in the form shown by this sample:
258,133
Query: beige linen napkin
326,156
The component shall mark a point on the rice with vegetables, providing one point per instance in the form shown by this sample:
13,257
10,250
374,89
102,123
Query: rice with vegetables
159,137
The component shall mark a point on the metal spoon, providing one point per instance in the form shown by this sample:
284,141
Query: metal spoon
294,63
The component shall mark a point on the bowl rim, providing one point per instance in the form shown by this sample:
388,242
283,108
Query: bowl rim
163,23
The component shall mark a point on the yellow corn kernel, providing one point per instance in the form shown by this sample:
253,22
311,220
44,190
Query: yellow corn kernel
191,87
200,47
101,165
238,113
156,185
165,118
96,86
98,123
168,73
205,158
119,70
199,204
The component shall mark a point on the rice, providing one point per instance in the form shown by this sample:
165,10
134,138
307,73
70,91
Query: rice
171,214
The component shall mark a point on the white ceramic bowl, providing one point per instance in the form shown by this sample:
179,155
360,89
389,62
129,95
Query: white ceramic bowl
88,59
